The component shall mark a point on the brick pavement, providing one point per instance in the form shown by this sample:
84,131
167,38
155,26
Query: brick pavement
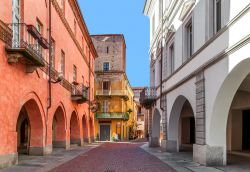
115,157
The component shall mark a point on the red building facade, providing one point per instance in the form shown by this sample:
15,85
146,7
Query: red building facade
37,115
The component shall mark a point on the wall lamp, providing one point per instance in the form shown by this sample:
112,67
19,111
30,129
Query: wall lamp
58,79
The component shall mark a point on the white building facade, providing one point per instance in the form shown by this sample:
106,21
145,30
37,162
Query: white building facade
200,71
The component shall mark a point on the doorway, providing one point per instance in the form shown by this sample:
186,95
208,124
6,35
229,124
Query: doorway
104,132
246,130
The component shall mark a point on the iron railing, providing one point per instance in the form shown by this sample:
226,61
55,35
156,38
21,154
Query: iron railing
26,39
112,92
112,115
148,95
79,93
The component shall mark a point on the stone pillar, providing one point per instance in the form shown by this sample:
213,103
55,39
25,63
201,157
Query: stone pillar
164,121
61,144
200,110
203,153
150,114
200,135
40,150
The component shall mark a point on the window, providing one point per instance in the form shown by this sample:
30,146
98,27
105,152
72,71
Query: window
105,106
63,6
63,63
153,25
39,28
106,85
139,110
189,39
106,66
160,11
74,73
53,53
75,27
82,43
171,58
107,50
217,15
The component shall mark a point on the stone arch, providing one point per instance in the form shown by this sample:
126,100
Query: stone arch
30,96
75,137
217,127
173,143
30,124
59,128
156,123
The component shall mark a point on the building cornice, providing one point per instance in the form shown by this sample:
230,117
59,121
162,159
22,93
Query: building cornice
110,35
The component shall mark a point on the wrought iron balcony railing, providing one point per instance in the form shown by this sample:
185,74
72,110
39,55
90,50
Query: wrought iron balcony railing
79,93
25,44
147,96
112,115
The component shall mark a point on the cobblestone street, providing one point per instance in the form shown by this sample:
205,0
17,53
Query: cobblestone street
115,157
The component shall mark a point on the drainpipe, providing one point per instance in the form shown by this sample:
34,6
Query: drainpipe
89,90
161,56
49,81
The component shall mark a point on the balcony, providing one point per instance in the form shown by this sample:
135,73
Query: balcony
79,93
121,93
148,96
24,44
112,115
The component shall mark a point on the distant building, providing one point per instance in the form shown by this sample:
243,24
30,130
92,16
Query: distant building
114,119
142,115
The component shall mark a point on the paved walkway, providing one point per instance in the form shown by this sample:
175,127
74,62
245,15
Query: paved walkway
121,157
183,162
115,157
48,162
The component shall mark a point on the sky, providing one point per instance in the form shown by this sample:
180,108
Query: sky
123,17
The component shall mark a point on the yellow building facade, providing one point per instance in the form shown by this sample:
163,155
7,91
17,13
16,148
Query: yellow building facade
114,119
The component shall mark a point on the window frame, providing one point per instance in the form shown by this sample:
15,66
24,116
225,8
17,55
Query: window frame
104,68
105,106
171,57
108,85
74,73
53,52
63,6
75,27
189,39
62,70
215,15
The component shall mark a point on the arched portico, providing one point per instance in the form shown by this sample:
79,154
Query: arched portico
59,129
75,137
156,123
85,129
181,125
235,82
30,129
